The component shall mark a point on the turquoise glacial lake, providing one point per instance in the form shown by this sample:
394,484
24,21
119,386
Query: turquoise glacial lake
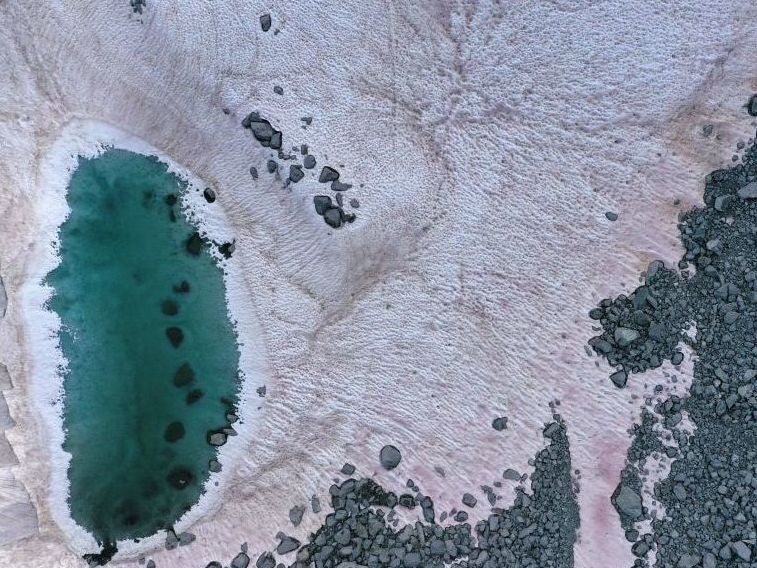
152,356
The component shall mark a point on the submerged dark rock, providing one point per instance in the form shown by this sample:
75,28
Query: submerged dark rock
180,478
194,244
174,432
169,307
194,396
184,375
175,336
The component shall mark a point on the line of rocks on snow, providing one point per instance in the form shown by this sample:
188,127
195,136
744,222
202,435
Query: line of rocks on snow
710,494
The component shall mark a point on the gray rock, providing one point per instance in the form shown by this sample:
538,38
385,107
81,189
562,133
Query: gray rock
339,186
322,204
216,438
611,216
315,504
265,25
390,457
278,90
295,514
265,560
295,173
688,561
309,162
272,166
752,105
500,423
625,336
629,502
186,538
469,500
354,203
150,564
348,469
619,379
254,172
749,191
511,475
328,174
742,550
287,545
333,217
214,466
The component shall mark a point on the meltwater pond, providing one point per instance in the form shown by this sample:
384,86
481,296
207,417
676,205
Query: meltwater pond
152,356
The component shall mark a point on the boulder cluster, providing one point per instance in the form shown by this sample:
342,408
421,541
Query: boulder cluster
709,497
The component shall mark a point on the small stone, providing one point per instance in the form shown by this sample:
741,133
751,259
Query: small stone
214,466
315,504
749,191
611,216
333,217
276,140
261,391
265,560
339,186
328,174
469,500
390,457
309,162
322,203
287,545
354,203
186,538
688,561
742,550
209,195
619,379
278,90
254,172
348,469
216,438
265,22
500,423
511,475
296,173
629,502
295,514
625,336
272,166
752,106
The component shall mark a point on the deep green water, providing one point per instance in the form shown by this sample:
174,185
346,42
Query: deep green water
126,283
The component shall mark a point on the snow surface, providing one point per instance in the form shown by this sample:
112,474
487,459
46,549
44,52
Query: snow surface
490,138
